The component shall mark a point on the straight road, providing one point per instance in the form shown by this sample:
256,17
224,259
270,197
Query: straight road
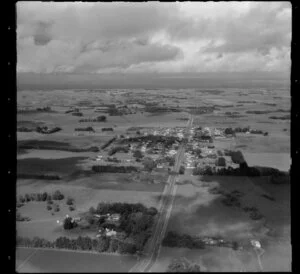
153,249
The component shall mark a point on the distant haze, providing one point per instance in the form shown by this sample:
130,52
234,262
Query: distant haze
182,80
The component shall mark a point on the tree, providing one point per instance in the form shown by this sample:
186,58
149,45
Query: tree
152,211
56,208
138,154
71,208
21,199
103,244
221,161
44,196
235,245
57,195
229,131
70,201
126,246
113,245
27,197
90,219
237,157
149,164
220,153
49,207
101,118
69,223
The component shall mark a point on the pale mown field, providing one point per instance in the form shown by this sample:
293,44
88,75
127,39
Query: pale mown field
67,261
198,212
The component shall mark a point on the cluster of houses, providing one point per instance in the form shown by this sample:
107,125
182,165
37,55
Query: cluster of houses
166,131
200,145
109,218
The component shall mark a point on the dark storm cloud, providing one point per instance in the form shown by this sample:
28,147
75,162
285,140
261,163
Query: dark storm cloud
124,54
42,34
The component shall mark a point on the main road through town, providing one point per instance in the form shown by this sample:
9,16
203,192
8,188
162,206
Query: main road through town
152,249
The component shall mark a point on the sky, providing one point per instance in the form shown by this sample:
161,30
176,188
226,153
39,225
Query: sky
81,38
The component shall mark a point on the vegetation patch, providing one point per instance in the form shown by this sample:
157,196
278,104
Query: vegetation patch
173,239
52,145
38,168
20,218
131,230
113,169
183,265
101,118
254,213
268,197
284,117
90,129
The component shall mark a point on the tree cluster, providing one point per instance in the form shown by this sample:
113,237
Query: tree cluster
101,118
107,129
137,154
69,223
80,114
183,265
174,239
136,220
116,149
114,169
38,176
46,130
85,129
57,195
237,157
221,161
149,164
181,170
102,244
20,218
38,197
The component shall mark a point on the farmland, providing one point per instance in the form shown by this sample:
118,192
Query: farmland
34,261
128,157
198,211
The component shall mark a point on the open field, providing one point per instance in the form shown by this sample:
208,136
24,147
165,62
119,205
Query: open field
196,211
68,261
36,165
210,259
44,224
194,200
282,161
51,154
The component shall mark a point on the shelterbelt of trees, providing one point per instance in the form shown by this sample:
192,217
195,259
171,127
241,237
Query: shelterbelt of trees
276,176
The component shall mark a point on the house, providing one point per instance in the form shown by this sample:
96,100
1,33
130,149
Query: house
110,233
114,217
256,243
76,219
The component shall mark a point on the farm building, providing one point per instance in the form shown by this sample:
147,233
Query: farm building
114,217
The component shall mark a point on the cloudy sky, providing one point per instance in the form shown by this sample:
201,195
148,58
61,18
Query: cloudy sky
190,37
